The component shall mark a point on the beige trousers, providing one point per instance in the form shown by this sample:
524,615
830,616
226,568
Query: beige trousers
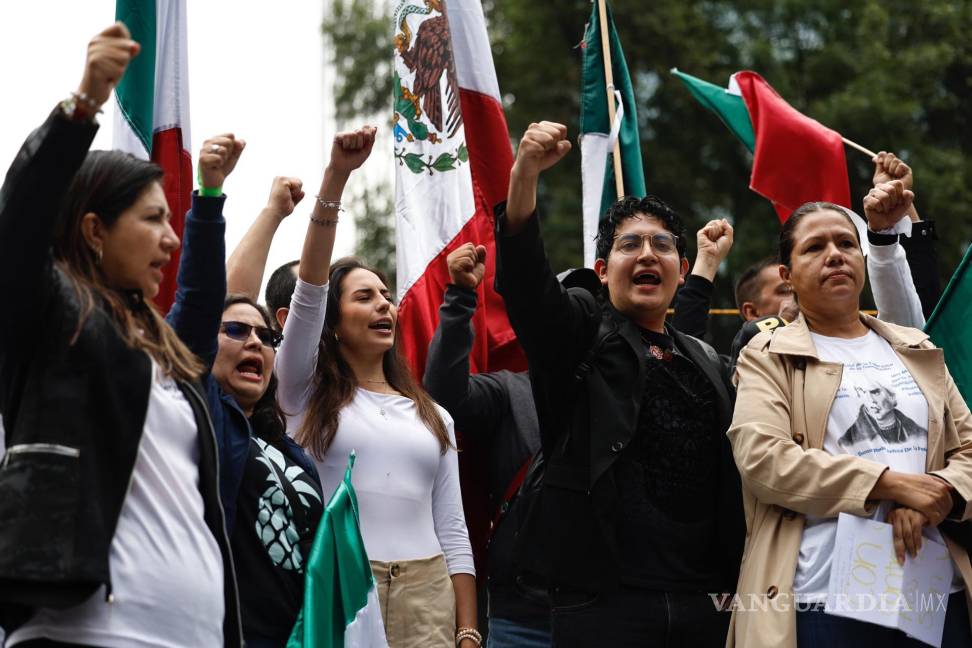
417,601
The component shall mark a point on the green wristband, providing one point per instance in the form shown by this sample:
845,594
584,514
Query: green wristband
207,192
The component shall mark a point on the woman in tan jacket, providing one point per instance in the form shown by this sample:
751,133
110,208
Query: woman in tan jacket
842,413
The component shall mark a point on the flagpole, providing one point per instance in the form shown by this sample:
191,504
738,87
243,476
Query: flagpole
609,90
855,145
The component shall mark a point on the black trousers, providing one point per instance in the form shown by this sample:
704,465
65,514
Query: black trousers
633,617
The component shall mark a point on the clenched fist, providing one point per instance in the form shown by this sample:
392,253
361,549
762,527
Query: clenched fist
886,204
108,56
285,194
467,265
217,159
542,146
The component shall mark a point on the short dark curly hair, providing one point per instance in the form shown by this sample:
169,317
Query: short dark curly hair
629,207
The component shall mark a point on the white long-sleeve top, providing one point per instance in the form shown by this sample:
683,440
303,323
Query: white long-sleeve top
893,288
408,493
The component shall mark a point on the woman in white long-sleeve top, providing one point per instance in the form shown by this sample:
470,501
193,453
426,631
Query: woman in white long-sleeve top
353,391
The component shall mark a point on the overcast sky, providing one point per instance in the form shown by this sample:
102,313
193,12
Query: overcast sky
256,69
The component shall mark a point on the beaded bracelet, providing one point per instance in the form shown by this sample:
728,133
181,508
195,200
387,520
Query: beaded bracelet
330,204
324,222
469,633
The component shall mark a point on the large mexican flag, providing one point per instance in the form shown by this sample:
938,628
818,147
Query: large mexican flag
152,120
948,326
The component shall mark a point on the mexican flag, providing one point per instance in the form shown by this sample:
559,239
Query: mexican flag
795,159
152,120
453,158
598,134
948,326
341,605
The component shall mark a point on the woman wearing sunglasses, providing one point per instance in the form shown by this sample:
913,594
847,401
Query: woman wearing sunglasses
112,532
340,367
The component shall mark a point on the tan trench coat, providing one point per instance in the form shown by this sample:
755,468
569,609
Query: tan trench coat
783,402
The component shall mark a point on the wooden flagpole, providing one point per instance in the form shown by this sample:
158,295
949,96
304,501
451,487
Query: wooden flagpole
609,89
855,145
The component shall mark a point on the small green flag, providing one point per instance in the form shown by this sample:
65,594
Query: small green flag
948,326
341,607
725,103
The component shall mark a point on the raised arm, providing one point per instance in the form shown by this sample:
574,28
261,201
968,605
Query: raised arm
39,178
714,241
201,283
894,290
553,326
297,357
245,267
478,402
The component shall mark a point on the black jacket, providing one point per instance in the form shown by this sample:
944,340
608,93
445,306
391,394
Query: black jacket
586,420
495,409
74,412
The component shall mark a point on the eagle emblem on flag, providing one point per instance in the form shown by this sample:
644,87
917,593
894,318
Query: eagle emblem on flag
427,110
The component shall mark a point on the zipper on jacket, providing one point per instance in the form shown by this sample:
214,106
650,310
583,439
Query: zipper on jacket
222,513
41,448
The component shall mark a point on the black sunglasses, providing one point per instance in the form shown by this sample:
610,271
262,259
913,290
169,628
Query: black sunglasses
241,331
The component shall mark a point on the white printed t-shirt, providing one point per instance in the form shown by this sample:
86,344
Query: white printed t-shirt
878,414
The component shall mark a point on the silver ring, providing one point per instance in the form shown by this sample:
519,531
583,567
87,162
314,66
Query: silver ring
214,148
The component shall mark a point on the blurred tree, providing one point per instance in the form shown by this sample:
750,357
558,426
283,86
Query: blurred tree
890,74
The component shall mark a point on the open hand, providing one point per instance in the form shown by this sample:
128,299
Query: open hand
886,204
217,159
108,56
543,145
926,494
285,193
351,148
467,265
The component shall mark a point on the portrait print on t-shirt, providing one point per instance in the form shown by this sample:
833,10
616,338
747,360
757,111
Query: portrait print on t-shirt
878,417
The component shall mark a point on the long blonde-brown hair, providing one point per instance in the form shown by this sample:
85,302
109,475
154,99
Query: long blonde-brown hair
335,382
107,184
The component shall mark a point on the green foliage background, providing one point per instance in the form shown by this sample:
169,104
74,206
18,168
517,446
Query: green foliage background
890,74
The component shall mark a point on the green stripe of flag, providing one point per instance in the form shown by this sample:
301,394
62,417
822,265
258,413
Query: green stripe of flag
730,108
136,91
948,326
594,108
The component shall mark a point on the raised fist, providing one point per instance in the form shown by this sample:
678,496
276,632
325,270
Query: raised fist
886,204
108,56
217,159
351,148
715,239
467,264
284,196
888,167
542,146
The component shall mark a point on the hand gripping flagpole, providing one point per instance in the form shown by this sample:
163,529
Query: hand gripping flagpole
609,91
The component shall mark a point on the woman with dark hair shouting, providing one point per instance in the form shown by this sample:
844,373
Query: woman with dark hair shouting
113,533
839,412
355,391
270,489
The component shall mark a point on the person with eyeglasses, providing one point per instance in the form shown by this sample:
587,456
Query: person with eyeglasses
639,516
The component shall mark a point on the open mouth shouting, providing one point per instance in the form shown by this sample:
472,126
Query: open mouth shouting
647,278
384,326
251,369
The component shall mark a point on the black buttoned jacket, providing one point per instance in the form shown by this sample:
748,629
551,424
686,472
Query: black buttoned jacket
588,406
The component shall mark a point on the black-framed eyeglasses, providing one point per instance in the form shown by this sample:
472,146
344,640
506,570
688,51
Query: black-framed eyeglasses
661,243
241,331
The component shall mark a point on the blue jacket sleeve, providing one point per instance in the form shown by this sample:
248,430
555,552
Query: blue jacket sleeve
201,283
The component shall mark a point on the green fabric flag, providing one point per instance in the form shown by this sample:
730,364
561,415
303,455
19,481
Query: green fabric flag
341,605
948,326
730,107
596,148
